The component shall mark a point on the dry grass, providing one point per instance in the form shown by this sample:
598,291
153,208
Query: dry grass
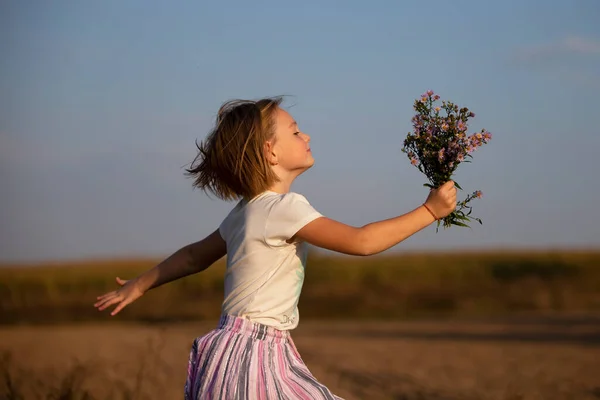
503,360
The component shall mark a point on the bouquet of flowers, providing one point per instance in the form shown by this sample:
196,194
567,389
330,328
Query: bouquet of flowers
439,143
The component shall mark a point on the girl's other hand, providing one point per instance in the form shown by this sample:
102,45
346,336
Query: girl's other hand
126,294
442,201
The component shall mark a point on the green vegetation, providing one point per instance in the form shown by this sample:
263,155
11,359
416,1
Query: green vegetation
384,287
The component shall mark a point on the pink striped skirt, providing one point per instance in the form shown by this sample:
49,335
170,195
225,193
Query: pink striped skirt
245,360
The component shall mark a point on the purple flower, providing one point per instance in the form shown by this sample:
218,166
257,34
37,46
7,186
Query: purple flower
442,141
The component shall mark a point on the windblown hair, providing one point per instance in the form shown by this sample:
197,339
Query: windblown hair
231,162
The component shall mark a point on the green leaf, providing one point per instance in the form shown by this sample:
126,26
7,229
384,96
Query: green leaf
461,217
429,185
457,185
460,224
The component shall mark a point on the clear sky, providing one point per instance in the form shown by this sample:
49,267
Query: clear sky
101,102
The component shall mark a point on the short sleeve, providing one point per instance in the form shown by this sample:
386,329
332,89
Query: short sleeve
287,217
225,226
223,229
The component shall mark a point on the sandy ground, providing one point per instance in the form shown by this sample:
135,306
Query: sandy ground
554,358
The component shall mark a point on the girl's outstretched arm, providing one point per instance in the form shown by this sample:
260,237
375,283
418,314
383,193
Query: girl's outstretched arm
378,236
193,258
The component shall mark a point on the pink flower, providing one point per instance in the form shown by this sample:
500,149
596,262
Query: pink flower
445,126
414,161
437,109
478,194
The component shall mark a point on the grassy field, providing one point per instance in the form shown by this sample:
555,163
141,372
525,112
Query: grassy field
513,359
485,326
386,287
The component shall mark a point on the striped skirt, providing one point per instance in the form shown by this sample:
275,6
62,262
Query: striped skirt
243,360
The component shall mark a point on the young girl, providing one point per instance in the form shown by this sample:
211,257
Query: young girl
254,153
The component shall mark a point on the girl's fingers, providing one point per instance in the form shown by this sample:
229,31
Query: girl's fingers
102,300
101,303
120,281
118,308
107,302
111,298
105,295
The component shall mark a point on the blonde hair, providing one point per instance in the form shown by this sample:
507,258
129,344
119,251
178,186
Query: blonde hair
231,162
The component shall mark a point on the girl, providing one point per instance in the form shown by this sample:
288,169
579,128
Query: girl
254,153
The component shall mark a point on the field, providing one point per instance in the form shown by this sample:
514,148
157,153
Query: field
551,358
385,287
493,325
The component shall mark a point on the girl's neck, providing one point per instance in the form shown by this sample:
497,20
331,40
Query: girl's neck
281,187
286,179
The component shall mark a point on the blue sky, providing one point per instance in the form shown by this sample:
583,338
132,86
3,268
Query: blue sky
101,102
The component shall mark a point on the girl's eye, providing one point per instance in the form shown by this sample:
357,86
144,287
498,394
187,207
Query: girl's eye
296,133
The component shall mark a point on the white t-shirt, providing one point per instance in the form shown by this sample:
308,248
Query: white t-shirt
265,274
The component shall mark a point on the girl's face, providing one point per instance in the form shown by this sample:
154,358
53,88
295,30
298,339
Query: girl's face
290,149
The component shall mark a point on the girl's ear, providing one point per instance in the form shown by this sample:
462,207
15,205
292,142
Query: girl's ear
269,153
